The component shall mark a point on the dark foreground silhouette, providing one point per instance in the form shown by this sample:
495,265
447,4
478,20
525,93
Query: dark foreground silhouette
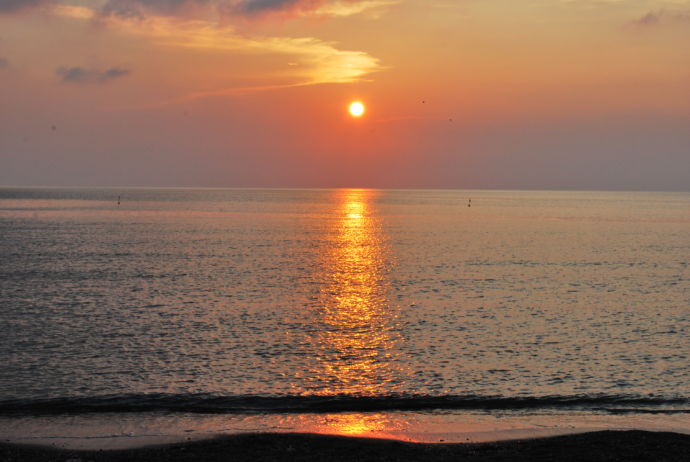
597,446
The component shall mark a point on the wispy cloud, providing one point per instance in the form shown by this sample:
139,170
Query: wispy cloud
251,9
659,17
261,8
83,75
312,61
317,61
350,8
75,12
143,8
245,9
11,6
648,19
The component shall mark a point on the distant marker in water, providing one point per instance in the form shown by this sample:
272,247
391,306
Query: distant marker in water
118,201
469,204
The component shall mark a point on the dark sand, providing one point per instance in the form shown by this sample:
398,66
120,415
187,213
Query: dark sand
597,446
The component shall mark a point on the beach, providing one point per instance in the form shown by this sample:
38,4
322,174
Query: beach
597,446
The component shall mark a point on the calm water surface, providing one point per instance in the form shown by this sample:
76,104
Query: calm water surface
278,300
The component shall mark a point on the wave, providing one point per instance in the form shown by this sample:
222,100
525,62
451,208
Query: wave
213,404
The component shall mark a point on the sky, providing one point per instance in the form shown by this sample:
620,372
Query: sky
459,94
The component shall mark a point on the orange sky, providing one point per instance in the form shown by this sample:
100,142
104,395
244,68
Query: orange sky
558,94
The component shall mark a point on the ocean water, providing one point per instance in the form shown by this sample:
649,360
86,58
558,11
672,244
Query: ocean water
228,301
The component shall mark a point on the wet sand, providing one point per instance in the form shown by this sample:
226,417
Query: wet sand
597,446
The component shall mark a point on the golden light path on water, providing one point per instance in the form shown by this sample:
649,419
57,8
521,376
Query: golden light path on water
360,323
358,331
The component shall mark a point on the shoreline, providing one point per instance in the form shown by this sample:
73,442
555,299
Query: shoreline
635,445
121,431
112,431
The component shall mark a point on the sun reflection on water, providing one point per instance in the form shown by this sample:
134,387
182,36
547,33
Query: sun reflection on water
358,332
373,425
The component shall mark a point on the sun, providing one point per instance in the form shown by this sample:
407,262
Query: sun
357,109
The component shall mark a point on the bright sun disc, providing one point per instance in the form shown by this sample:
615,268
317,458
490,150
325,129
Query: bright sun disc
356,109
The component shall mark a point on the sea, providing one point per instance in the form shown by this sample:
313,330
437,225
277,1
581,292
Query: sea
129,312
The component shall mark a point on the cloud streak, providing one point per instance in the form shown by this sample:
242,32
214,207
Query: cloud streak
90,76
143,8
262,7
659,17
246,9
318,61
11,6
252,9
224,9
311,60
